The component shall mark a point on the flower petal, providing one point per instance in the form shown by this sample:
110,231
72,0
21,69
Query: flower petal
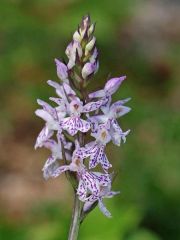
82,190
119,110
91,183
50,167
92,106
59,171
104,209
61,70
43,136
103,179
88,69
59,89
97,94
74,124
113,84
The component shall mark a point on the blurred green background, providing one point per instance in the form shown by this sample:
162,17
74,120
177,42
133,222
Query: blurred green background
140,39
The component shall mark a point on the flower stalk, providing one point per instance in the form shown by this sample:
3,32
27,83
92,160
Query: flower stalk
77,117
76,217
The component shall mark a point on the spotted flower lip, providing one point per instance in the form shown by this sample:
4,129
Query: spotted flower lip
96,149
74,122
96,152
105,192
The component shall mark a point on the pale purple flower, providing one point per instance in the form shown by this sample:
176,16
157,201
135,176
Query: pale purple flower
75,123
96,149
53,162
50,116
62,71
110,88
105,192
90,182
109,116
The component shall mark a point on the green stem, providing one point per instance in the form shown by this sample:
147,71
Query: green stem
75,222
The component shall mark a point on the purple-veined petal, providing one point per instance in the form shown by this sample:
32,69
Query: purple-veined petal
103,179
50,144
44,135
74,124
59,171
98,119
82,125
47,108
97,94
61,138
91,183
105,163
117,134
104,209
82,190
112,194
68,124
92,106
61,70
97,156
94,123
105,107
50,167
69,91
113,84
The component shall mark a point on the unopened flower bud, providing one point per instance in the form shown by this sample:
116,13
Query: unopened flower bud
84,26
88,69
91,29
90,46
94,56
77,37
61,70
72,50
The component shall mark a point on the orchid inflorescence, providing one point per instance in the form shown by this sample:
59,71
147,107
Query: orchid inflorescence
77,117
